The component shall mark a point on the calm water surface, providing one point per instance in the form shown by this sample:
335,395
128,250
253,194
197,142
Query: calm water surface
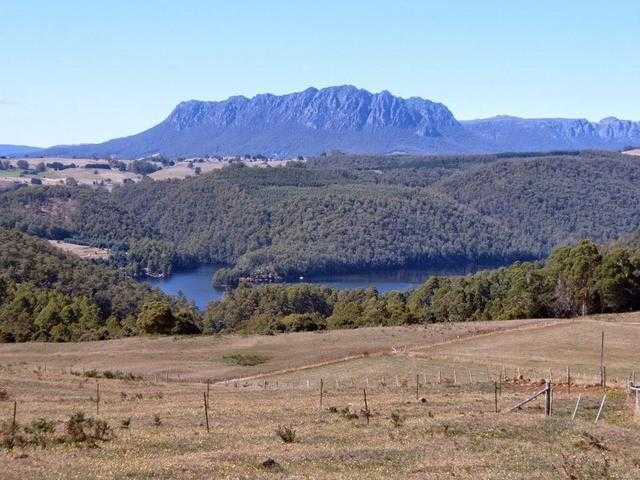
197,285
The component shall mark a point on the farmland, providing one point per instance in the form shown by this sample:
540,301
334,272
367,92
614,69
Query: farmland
22,170
151,393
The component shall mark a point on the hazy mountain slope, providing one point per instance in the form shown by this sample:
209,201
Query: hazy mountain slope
351,120
307,122
17,150
518,134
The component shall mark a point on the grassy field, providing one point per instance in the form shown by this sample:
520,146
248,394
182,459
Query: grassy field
82,251
453,431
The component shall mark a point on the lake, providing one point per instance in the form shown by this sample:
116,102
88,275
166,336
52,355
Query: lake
196,284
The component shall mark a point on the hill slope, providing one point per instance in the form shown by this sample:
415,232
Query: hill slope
316,219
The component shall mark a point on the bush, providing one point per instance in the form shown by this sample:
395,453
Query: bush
286,434
244,359
80,429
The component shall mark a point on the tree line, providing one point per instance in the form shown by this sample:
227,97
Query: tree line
575,280
46,294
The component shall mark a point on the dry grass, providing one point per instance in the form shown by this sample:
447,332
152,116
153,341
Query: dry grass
82,251
201,357
454,434
575,344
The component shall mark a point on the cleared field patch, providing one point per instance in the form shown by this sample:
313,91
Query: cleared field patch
160,431
575,344
201,357
635,151
88,176
82,251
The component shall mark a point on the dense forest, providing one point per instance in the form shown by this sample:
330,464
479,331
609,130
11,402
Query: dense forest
46,294
342,213
575,280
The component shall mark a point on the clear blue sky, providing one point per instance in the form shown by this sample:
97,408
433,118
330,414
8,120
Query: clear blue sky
83,71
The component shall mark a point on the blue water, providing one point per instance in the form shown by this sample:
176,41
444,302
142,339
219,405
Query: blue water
196,284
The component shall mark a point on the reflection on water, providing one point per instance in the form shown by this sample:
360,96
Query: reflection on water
196,284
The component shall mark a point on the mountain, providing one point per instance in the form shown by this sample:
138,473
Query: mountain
17,150
352,120
504,133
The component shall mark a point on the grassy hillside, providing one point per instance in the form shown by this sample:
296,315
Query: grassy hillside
152,390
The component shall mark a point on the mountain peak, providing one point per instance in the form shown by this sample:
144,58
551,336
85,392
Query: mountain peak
352,120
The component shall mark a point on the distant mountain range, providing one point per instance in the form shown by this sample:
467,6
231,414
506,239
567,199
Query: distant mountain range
17,150
352,120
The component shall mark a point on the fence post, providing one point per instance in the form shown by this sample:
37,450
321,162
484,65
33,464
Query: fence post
417,386
13,423
575,410
547,400
206,409
97,397
602,374
366,405
321,392
495,395
601,407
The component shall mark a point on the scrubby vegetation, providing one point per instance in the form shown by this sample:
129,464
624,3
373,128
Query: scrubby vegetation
46,294
79,430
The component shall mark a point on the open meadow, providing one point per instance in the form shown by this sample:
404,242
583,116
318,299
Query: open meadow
430,408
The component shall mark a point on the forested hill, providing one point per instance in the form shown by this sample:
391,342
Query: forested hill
46,294
345,213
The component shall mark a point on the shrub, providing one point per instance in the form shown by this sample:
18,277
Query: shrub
80,429
41,431
286,434
244,359
396,419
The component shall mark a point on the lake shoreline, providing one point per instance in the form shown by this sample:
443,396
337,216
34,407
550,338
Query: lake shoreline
196,284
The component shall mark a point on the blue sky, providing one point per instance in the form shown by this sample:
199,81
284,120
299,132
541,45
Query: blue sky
79,71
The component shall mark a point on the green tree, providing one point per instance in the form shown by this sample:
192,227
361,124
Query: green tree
155,317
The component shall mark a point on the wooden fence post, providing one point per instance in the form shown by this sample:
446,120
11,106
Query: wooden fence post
569,380
366,406
97,397
13,423
321,392
602,375
206,409
417,386
601,407
575,410
547,400
495,395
